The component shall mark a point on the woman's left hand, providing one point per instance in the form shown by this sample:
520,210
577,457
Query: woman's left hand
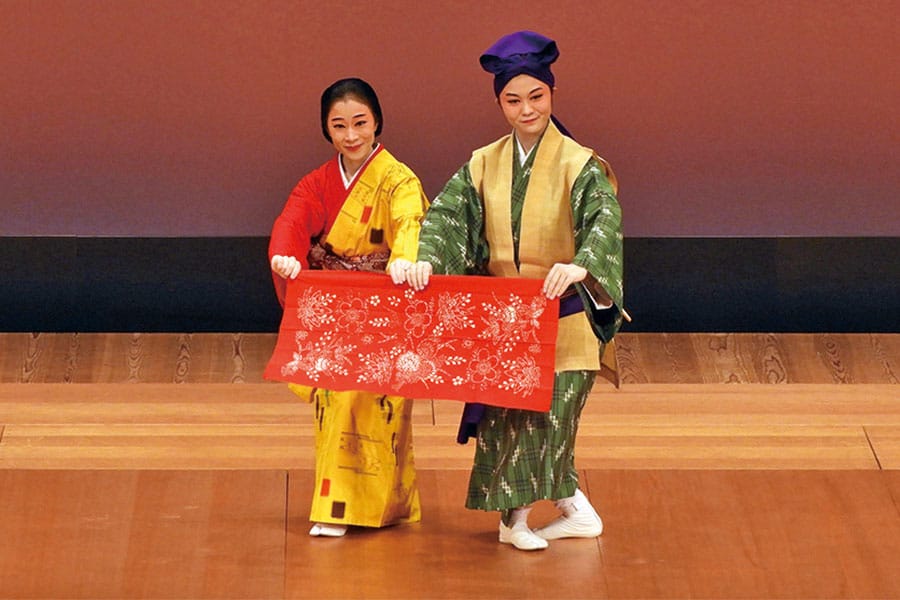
398,270
560,277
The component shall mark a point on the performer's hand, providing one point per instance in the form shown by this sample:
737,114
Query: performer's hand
560,277
399,269
418,275
286,266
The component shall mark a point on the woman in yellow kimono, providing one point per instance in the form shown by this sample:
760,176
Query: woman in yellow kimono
360,211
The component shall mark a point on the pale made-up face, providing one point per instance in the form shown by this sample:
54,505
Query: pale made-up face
352,126
527,104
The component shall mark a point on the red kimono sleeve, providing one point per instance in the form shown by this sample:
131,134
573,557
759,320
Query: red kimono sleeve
302,219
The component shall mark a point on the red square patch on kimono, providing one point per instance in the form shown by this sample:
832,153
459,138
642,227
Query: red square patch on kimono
490,340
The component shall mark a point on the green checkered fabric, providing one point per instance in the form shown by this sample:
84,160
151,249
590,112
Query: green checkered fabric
522,456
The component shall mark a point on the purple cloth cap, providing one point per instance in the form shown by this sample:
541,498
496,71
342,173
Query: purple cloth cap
522,52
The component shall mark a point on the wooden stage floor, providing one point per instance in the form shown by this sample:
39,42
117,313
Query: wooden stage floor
726,466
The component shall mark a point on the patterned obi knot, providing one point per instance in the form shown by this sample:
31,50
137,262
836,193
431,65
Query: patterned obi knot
321,257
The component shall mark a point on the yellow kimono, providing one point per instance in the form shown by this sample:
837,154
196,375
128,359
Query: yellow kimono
365,471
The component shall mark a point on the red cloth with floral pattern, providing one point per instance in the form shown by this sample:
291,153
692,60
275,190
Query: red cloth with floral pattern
474,339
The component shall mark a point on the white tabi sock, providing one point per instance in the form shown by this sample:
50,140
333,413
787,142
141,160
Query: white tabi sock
518,534
328,530
579,520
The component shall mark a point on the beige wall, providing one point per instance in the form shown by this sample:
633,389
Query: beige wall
174,118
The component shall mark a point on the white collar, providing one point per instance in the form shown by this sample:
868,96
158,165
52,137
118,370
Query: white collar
523,156
349,181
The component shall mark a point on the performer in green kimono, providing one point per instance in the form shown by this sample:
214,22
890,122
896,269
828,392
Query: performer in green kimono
534,204
360,211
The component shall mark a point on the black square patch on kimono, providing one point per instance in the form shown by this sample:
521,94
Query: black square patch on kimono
376,236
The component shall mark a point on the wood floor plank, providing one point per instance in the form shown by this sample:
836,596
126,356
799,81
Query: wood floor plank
157,447
630,358
435,447
885,442
27,358
886,351
10,357
224,358
643,357
174,358
171,426
142,534
163,446
893,483
674,447
747,534
875,357
724,447
292,446
60,393
722,404
239,534
134,357
452,553
161,456
798,357
758,358
90,403
719,404
768,358
150,412
664,357
722,358
727,465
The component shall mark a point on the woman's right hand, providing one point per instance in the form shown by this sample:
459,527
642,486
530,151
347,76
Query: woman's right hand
418,275
286,266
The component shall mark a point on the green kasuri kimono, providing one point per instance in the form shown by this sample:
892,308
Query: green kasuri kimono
500,217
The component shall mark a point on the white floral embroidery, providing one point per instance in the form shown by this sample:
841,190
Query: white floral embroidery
351,314
433,345
327,356
418,317
313,308
484,370
512,322
378,367
523,375
454,312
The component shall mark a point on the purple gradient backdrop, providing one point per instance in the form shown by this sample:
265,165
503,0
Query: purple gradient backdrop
166,118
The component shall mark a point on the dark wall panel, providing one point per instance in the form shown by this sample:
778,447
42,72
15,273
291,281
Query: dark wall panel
136,284
672,284
763,284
